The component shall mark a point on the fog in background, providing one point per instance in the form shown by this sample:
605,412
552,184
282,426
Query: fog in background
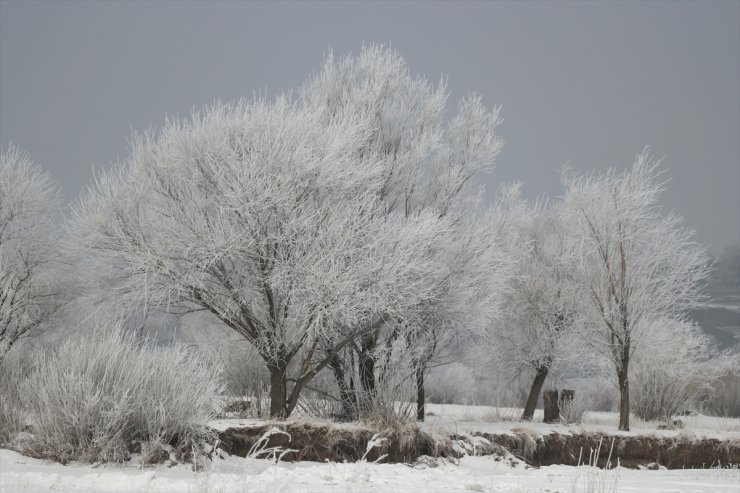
588,84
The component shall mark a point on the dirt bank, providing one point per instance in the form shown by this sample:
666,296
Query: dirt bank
680,452
338,443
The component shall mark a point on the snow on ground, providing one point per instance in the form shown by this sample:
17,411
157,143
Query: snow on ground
479,474
451,418
226,423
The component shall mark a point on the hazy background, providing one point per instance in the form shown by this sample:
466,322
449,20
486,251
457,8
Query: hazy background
585,83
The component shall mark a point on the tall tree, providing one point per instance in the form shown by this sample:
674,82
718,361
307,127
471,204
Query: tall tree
538,331
637,263
427,163
28,204
265,216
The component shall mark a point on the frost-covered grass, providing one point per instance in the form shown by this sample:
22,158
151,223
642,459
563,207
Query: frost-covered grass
98,396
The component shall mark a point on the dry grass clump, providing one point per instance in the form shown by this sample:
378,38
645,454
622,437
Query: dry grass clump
97,396
573,410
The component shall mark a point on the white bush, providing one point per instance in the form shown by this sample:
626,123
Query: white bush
572,411
676,377
724,397
98,394
12,372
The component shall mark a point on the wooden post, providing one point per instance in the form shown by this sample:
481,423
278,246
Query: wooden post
550,404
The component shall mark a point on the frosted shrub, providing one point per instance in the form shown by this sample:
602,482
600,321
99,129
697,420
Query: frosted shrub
572,411
676,378
724,397
12,371
97,395
451,384
393,400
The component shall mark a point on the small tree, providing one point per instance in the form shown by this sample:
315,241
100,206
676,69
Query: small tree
637,264
28,202
538,332
537,329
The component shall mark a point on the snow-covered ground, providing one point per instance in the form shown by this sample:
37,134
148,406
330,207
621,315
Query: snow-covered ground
447,418
478,474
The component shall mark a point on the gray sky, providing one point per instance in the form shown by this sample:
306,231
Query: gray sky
585,83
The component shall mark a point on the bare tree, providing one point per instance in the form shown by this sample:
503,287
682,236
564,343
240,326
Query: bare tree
264,215
28,202
637,264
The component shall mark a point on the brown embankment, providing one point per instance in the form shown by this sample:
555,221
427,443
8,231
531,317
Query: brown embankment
679,452
337,443
323,441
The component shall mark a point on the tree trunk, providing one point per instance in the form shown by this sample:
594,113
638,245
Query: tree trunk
624,396
420,398
366,368
534,394
278,391
551,407
345,394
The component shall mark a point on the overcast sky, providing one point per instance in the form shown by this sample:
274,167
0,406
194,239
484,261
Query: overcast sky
586,83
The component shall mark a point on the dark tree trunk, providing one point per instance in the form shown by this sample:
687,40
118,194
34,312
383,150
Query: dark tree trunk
278,391
566,397
346,395
534,394
420,398
624,395
551,407
366,369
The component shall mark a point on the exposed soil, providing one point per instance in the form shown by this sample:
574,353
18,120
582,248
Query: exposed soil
321,442
681,452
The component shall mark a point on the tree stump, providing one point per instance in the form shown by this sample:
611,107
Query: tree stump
551,407
566,397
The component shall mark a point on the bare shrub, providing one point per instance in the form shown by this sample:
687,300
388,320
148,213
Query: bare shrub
603,396
450,384
572,410
246,378
12,373
501,393
98,394
680,375
393,402
724,398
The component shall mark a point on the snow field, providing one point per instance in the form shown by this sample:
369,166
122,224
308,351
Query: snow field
19,474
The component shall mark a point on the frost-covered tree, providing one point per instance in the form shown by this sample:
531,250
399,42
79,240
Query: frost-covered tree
539,329
427,162
264,215
636,265
28,204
